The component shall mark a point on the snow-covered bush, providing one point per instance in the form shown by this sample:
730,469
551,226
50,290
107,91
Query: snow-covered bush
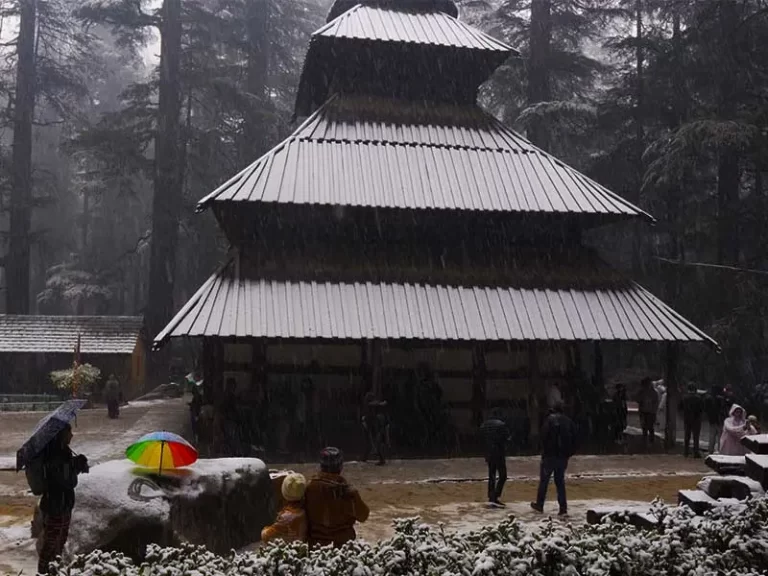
727,542
87,377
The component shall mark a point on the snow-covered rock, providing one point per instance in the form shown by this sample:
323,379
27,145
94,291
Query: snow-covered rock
222,504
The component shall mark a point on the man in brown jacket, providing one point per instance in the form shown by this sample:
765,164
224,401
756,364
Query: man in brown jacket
333,506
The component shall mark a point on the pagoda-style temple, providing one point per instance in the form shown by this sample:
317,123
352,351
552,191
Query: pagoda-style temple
404,241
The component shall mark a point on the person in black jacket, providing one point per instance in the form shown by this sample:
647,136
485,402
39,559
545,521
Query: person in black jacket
693,409
495,434
558,441
61,468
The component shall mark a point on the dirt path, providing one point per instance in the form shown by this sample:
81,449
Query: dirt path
522,468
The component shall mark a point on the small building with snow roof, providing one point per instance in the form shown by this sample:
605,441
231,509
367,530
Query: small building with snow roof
33,346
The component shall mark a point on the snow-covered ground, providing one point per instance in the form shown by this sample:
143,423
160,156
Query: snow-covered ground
447,491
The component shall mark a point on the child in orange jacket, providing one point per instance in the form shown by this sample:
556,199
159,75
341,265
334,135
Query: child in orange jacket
291,523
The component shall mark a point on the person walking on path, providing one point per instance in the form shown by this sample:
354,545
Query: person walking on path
495,435
693,409
333,506
291,522
60,470
716,409
648,404
735,427
112,396
558,441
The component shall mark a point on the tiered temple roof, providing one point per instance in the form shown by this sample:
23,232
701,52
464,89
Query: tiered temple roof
389,90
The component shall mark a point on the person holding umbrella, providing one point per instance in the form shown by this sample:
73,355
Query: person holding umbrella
61,468
52,470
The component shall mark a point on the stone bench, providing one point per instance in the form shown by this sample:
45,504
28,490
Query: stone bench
638,516
738,487
697,500
726,465
757,468
757,443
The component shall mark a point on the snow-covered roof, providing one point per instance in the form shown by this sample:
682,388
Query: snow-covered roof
58,334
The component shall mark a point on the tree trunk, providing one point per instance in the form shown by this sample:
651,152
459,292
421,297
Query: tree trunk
168,175
254,143
539,89
639,119
18,261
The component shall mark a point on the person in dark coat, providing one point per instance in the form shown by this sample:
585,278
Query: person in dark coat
716,407
375,424
558,442
112,396
693,410
647,406
61,468
620,405
495,435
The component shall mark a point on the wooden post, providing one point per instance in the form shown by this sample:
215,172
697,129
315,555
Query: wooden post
479,374
375,360
599,377
537,395
673,394
259,367
209,370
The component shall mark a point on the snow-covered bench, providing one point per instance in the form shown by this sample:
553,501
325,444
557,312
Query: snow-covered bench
757,443
726,465
738,487
757,468
639,516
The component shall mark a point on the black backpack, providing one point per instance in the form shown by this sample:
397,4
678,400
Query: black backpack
559,438
35,472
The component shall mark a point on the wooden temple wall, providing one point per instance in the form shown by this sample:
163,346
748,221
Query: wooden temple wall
343,373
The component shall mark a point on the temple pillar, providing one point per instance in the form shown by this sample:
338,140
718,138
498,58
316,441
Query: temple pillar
671,381
479,378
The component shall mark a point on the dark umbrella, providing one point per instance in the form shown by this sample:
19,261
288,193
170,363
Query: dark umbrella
46,430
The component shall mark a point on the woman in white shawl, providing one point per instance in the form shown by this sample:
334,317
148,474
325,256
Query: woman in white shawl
735,427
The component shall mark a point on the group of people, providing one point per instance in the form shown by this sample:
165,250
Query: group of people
559,438
322,512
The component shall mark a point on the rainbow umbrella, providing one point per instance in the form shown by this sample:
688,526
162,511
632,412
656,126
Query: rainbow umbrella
161,449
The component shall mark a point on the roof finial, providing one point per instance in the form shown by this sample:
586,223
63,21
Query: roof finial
447,6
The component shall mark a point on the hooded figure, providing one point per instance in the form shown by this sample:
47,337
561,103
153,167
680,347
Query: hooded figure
735,428
291,522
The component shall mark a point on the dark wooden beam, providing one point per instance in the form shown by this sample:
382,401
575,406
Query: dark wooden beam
671,381
599,371
479,381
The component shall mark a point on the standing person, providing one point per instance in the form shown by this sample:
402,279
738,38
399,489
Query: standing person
291,522
693,409
715,407
375,424
620,405
648,404
195,408
754,423
558,443
60,470
112,396
332,505
735,427
496,434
